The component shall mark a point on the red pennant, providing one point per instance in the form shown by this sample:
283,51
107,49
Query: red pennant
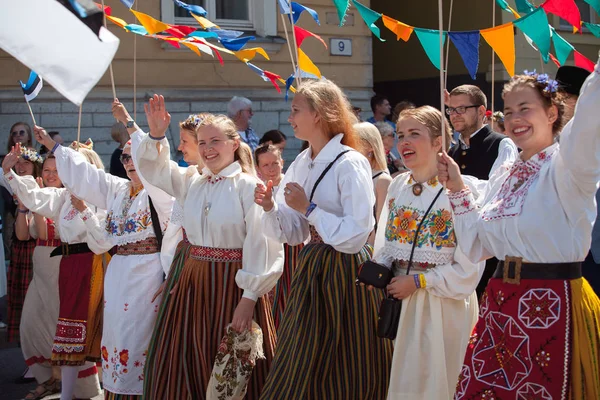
107,9
302,34
554,60
566,9
583,62
216,52
273,78
180,31
174,44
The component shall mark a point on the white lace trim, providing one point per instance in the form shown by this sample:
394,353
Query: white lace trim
437,257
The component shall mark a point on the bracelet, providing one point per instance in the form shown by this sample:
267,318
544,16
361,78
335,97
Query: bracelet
158,138
310,209
25,211
417,281
54,148
422,281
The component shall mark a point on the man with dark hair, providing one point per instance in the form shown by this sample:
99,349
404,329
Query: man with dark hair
381,110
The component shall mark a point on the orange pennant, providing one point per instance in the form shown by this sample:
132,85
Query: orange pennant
152,25
502,39
248,54
117,21
401,30
204,22
306,64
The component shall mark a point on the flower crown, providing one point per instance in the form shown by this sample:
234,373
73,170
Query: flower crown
87,145
551,86
194,119
499,116
31,155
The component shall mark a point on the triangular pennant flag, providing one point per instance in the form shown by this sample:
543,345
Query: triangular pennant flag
192,47
259,71
583,62
562,47
467,44
302,34
117,21
535,25
430,40
206,24
137,29
128,3
236,44
342,8
107,9
274,78
504,5
226,33
554,60
288,84
306,64
370,17
284,6
201,46
502,40
594,28
152,25
566,9
192,8
595,5
170,40
523,6
298,9
180,31
248,54
203,34
401,30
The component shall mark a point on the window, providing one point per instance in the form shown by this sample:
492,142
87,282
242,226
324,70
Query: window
247,15
587,15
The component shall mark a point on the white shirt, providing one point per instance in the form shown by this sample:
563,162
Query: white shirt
344,198
507,150
541,209
219,211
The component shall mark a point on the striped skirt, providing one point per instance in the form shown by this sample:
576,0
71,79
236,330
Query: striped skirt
198,303
280,292
113,396
328,347
539,339
20,273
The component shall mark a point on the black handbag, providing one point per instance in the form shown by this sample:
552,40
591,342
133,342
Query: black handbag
389,311
374,274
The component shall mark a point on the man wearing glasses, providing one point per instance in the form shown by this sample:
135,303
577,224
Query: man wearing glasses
239,109
479,150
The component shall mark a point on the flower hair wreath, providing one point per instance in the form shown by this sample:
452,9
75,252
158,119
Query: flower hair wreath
194,119
31,155
551,86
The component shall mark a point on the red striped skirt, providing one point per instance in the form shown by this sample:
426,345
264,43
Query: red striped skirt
279,294
198,303
20,273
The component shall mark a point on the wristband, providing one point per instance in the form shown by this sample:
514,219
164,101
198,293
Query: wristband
54,148
25,211
417,281
158,138
310,209
422,281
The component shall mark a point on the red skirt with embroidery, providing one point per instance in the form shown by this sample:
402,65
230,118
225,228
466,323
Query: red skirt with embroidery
526,340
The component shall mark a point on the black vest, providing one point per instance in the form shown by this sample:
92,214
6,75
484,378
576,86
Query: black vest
479,158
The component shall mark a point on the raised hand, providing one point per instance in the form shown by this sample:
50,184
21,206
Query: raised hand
10,160
40,182
263,196
120,112
157,115
42,136
78,204
449,173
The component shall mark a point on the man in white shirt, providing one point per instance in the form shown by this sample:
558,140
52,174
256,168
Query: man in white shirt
239,109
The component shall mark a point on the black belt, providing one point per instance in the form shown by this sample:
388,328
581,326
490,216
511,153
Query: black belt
69,249
518,270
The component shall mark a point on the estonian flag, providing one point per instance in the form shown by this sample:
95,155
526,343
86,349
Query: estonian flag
32,87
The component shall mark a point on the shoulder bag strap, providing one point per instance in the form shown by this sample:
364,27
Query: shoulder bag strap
155,223
325,172
377,174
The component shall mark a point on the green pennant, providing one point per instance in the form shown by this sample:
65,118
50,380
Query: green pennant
503,4
535,25
342,9
430,40
562,47
594,28
595,5
370,17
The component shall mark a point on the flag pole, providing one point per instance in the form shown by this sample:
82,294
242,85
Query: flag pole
295,42
112,76
287,39
135,72
30,112
79,127
442,87
493,59
448,44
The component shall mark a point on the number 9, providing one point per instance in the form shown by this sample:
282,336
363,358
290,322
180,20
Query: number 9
341,46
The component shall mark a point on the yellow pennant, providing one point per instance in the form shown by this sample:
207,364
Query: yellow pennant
204,22
117,21
152,25
306,64
502,39
248,54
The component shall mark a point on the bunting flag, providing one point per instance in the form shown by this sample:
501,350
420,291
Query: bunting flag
342,8
430,40
203,34
298,9
284,6
595,4
524,6
370,17
502,40
117,21
302,34
180,31
554,60
504,5
306,64
137,29
583,62
566,9
401,30
246,55
288,84
236,44
33,86
206,24
107,9
562,47
191,8
274,78
128,3
226,33
535,25
467,44
594,28
152,25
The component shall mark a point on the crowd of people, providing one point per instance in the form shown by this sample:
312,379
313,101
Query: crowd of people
222,276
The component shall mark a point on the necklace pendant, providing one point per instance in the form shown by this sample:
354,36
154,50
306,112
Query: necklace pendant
417,189
207,208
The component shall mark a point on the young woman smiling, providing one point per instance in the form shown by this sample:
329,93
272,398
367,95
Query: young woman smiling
327,345
538,333
225,267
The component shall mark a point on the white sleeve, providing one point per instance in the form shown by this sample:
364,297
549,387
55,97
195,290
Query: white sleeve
507,153
262,262
171,238
97,239
380,234
4,184
577,167
455,281
46,202
84,180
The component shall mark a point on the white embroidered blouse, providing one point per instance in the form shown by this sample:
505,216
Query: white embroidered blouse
541,209
218,211
453,275
344,198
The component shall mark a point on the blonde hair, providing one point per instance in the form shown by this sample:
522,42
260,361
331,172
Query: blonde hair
431,118
243,154
371,138
329,102
92,157
192,123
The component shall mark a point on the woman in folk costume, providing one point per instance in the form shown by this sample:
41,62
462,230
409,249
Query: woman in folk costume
327,343
135,213
76,345
225,267
538,333
439,304
269,164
